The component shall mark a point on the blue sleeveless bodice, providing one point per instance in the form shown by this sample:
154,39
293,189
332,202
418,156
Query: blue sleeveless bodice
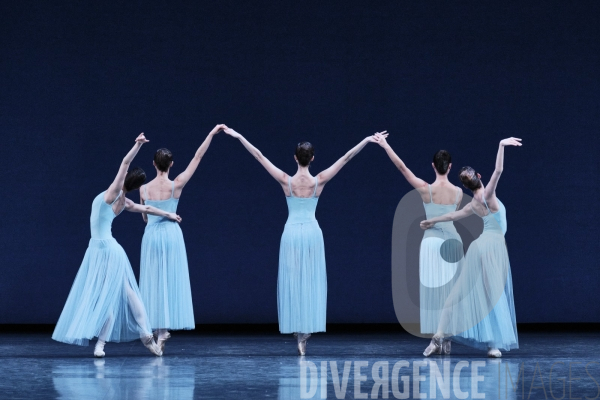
101,217
441,229
169,205
495,222
301,210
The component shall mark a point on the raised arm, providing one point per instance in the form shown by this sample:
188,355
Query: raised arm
115,187
328,174
138,208
453,216
415,182
275,172
183,178
490,189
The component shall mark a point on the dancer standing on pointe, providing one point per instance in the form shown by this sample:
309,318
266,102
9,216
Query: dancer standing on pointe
104,300
164,276
435,273
302,279
480,309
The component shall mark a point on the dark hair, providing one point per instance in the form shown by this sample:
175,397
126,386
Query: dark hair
162,159
468,177
134,179
304,153
441,161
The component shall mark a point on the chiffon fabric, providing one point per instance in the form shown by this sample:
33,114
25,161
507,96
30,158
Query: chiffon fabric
164,275
480,310
104,300
302,278
440,252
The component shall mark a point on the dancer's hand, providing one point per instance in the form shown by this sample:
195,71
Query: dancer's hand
174,217
427,224
379,138
232,133
511,141
217,129
141,139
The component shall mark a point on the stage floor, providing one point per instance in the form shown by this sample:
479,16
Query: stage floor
248,366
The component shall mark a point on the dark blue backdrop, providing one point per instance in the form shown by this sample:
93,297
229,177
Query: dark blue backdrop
79,81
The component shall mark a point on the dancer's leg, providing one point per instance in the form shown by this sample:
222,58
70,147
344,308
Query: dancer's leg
162,335
302,339
104,332
139,313
138,310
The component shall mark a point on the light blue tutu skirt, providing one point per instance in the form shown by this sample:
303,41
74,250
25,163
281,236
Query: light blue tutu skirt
438,263
480,311
164,277
104,297
302,279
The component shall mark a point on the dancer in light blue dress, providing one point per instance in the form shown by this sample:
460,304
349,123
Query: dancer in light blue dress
480,309
302,278
436,273
164,276
105,301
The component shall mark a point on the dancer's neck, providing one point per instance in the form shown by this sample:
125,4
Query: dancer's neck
441,178
303,171
162,175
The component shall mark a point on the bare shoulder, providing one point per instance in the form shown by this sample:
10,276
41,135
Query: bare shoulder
423,191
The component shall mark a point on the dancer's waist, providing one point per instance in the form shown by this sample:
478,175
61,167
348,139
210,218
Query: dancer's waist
160,221
102,242
442,230
492,231
295,221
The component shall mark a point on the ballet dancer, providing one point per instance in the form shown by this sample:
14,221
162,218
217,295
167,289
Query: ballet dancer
480,309
435,273
105,301
164,276
302,279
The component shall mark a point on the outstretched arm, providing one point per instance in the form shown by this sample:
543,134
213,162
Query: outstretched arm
138,208
415,182
493,183
114,189
183,178
329,173
275,172
453,216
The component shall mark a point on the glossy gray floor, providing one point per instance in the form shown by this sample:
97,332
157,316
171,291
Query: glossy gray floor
232,366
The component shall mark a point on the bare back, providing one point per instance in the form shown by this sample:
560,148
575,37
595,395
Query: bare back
159,190
485,202
303,186
443,193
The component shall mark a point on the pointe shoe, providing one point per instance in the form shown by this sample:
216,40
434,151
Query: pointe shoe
151,345
99,350
161,341
446,347
435,347
305,342
302,339
494,353
301,348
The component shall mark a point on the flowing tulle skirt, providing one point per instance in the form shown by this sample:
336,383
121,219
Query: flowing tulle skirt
438,262
165,279
302,279
480,310
104,299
